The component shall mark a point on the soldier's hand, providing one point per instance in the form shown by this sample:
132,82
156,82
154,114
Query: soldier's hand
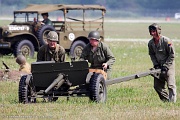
164,71
104,65
164,68
157,67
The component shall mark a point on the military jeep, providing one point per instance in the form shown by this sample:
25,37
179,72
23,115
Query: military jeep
25,35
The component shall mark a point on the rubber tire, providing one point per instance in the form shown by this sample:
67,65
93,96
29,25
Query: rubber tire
97,88
29,48
52,99
24,91
77,44
42,33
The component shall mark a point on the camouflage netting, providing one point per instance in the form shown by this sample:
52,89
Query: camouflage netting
12,75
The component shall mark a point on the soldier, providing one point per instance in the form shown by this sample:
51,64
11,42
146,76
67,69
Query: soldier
51,51
98,53
46,20
162,55
24,66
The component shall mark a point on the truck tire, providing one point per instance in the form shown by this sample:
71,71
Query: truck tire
97,88
25,91
76,49
42,33
24,47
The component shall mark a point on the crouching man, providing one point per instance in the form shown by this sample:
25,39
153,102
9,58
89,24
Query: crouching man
98,54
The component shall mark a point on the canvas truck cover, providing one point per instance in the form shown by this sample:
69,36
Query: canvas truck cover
43,8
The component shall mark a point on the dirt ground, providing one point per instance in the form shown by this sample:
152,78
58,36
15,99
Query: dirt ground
13,75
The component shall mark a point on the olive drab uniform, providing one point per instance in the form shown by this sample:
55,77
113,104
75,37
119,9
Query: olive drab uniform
45,54
47,21
163,54
101,55
25,68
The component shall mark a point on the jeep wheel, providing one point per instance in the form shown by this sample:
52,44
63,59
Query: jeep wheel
42,33
97,88
24,47
76,49
26,90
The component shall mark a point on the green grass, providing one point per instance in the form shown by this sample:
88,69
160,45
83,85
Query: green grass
139,30
132,30
4,22
130,100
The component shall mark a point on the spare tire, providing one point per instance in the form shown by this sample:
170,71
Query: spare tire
76,49
42,33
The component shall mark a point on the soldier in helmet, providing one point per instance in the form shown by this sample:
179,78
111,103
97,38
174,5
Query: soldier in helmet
46,20
98,53
24,66
51,51
162,54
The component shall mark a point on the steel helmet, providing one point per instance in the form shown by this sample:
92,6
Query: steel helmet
156,27
20,59
94,35
52,36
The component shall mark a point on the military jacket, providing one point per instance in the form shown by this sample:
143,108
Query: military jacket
45,54
101,55
163,53
47,22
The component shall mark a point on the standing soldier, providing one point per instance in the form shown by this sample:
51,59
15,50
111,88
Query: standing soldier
51,51
162,54
24,66
98,53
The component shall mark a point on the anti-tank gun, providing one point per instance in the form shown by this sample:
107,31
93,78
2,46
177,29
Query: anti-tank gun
52,80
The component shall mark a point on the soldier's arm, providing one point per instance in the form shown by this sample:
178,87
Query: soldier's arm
62,55
109,56
49,22
40,55
152,56
83,55
171,52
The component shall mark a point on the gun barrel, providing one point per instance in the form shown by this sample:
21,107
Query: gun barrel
56,81
153,72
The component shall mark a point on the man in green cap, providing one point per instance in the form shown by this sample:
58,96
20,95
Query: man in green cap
46,20
98,53
51,51
162,53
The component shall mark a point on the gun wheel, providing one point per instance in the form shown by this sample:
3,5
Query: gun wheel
97,88
25,91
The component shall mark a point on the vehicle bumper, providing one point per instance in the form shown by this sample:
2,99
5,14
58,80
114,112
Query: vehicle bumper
4,44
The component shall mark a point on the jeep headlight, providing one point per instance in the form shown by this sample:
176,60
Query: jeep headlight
6,33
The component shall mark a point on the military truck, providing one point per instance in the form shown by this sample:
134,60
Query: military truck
26,34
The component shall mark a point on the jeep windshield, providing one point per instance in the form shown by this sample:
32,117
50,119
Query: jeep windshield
25,17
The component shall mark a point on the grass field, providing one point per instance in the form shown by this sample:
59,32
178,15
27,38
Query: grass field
139,30
132,100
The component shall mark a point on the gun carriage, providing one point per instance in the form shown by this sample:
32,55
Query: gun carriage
52,80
